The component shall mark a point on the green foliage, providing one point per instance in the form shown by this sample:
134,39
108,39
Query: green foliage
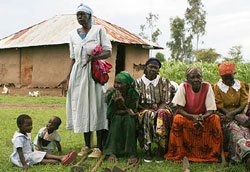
206,55
235,54
196,19
180,46
160,56
175,71
151,27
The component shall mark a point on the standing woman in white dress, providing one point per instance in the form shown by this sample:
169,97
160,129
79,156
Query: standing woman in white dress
85,107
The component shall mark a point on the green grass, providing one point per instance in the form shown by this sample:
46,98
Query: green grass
71,141
26,100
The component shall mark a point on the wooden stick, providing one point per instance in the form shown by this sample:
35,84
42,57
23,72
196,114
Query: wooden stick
137,165
131,165
98,163
83,159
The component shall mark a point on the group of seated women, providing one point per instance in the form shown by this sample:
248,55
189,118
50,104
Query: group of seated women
208,118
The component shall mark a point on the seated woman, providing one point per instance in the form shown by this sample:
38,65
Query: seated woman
248,108
155,115
231,97
196,131
122,103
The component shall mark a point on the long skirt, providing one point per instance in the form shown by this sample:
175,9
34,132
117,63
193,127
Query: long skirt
196,143
154,127
238,141
121,135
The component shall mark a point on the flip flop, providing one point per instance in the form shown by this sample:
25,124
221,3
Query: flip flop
70,158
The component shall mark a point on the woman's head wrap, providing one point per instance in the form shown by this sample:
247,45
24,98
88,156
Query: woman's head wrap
125,77
193,68
226,68
86,9
153,60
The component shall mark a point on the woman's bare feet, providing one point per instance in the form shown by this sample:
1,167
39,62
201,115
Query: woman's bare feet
112,158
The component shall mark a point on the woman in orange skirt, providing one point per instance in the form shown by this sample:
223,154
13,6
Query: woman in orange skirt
196,132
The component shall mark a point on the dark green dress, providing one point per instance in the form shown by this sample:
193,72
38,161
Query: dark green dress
122,129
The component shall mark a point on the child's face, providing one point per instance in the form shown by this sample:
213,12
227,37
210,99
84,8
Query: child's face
51,126
27,126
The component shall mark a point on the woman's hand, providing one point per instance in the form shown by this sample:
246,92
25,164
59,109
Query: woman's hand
131,112
118,97
230,116
198,119
90,58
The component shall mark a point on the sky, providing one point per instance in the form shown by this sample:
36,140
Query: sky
228,21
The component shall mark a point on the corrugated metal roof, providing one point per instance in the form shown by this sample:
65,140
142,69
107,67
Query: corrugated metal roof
55,31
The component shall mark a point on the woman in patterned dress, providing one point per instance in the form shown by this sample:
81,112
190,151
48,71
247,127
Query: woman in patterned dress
231,96
155,116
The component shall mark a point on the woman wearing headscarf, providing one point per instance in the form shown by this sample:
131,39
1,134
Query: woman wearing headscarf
231,96
122,102
196,131
155,115
86,105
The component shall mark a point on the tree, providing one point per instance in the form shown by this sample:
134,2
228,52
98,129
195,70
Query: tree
206,55
235,54
160,56
180,46
196,19
151,27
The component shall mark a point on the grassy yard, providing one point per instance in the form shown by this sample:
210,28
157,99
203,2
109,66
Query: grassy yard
71,141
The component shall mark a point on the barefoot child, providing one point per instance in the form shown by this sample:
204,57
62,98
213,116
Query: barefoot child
122,104
48,139
23,155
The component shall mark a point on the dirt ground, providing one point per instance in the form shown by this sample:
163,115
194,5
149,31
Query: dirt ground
24,91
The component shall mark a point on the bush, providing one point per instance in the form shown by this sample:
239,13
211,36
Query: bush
175,71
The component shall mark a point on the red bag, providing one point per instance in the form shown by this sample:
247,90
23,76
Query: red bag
100,68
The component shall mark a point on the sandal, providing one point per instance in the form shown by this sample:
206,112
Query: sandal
85,150
69,158
112,158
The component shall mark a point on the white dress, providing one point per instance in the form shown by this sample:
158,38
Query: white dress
20,140
86,107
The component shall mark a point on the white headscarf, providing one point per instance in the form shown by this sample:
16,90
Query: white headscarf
86,9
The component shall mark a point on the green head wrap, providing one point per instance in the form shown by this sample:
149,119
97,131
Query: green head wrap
125,77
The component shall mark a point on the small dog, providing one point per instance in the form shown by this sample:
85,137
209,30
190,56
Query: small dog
64,88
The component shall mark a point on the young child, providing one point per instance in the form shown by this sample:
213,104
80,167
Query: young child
48,138
23,155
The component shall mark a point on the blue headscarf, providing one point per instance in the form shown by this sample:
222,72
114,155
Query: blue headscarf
86,9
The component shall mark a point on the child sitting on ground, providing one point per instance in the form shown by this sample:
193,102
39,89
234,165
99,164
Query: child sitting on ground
23,155
48,139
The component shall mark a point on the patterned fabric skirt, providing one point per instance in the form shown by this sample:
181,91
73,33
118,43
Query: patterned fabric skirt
196,143
238,141
154,127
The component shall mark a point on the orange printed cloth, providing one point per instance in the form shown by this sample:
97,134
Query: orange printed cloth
226,68
196,143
